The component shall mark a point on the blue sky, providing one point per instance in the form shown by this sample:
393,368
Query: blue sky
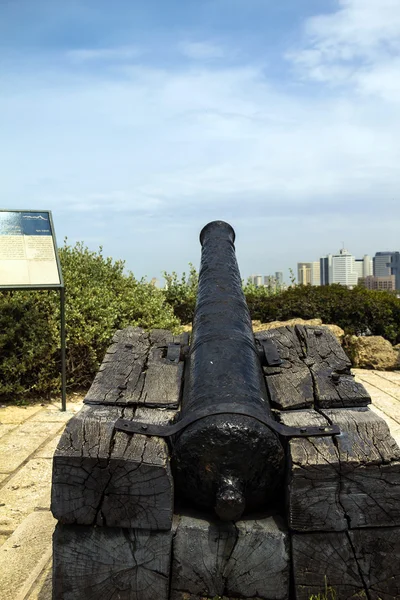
137,122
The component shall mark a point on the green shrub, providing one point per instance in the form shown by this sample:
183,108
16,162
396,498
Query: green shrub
100,298
181,292
358,311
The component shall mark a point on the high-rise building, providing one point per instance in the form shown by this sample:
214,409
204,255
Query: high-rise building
279,278
325,264
315,273
363,266
395,267
368,266
256,280
382,266
308,273
339,268
304,273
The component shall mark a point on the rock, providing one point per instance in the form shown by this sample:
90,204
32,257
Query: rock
335,329
258,326
372,352
337,332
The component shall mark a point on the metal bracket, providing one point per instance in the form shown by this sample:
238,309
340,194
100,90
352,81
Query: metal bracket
270,354
169,429
174,352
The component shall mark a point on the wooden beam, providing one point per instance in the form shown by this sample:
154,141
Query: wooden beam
106,563
313,477
247,559
369,468
334,386
107,477
290,386
135,370
322,560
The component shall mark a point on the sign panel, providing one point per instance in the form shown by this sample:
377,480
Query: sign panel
28,254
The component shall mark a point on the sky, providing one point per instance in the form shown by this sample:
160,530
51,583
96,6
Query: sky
136,122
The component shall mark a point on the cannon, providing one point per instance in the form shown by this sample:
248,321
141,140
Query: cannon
226,453
231,460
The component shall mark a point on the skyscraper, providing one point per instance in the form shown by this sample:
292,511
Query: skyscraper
326,269
339,268
363,266
256,280
308,273
381,264
395,268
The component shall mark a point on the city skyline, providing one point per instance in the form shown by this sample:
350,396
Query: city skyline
310,273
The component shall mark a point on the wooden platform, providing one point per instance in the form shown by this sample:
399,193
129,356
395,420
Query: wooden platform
113,492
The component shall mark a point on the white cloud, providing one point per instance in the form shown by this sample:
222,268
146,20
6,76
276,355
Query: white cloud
358,46
202,51
122,53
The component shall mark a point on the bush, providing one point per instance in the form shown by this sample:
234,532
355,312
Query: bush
100,298
358,311
180,293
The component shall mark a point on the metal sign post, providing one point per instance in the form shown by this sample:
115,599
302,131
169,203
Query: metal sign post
29,261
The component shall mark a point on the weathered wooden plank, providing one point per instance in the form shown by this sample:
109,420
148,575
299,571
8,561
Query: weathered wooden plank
107,477
259,563
246,559
313,478
369,468
325,559
290,386
123,366
105,563
334,386
163,380
135,370
378,555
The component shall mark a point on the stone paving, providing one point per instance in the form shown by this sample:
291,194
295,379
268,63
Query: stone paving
28,438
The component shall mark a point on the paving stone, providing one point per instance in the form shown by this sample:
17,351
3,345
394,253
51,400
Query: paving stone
48,450
42,588
393,376
394,426
24,492
381,383
24,555
18,414
54,414
19,444
6,428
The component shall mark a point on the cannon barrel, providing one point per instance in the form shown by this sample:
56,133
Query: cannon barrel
229,461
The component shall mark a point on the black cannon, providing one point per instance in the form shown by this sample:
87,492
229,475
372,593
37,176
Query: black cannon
229,460
226,452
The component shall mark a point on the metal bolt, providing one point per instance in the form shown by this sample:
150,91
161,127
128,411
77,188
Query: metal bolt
144,427
318,332
335,377
303,429
128,345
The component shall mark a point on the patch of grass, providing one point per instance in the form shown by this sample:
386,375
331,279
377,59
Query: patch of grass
328,594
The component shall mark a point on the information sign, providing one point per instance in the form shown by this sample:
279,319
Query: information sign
28,254
29,260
